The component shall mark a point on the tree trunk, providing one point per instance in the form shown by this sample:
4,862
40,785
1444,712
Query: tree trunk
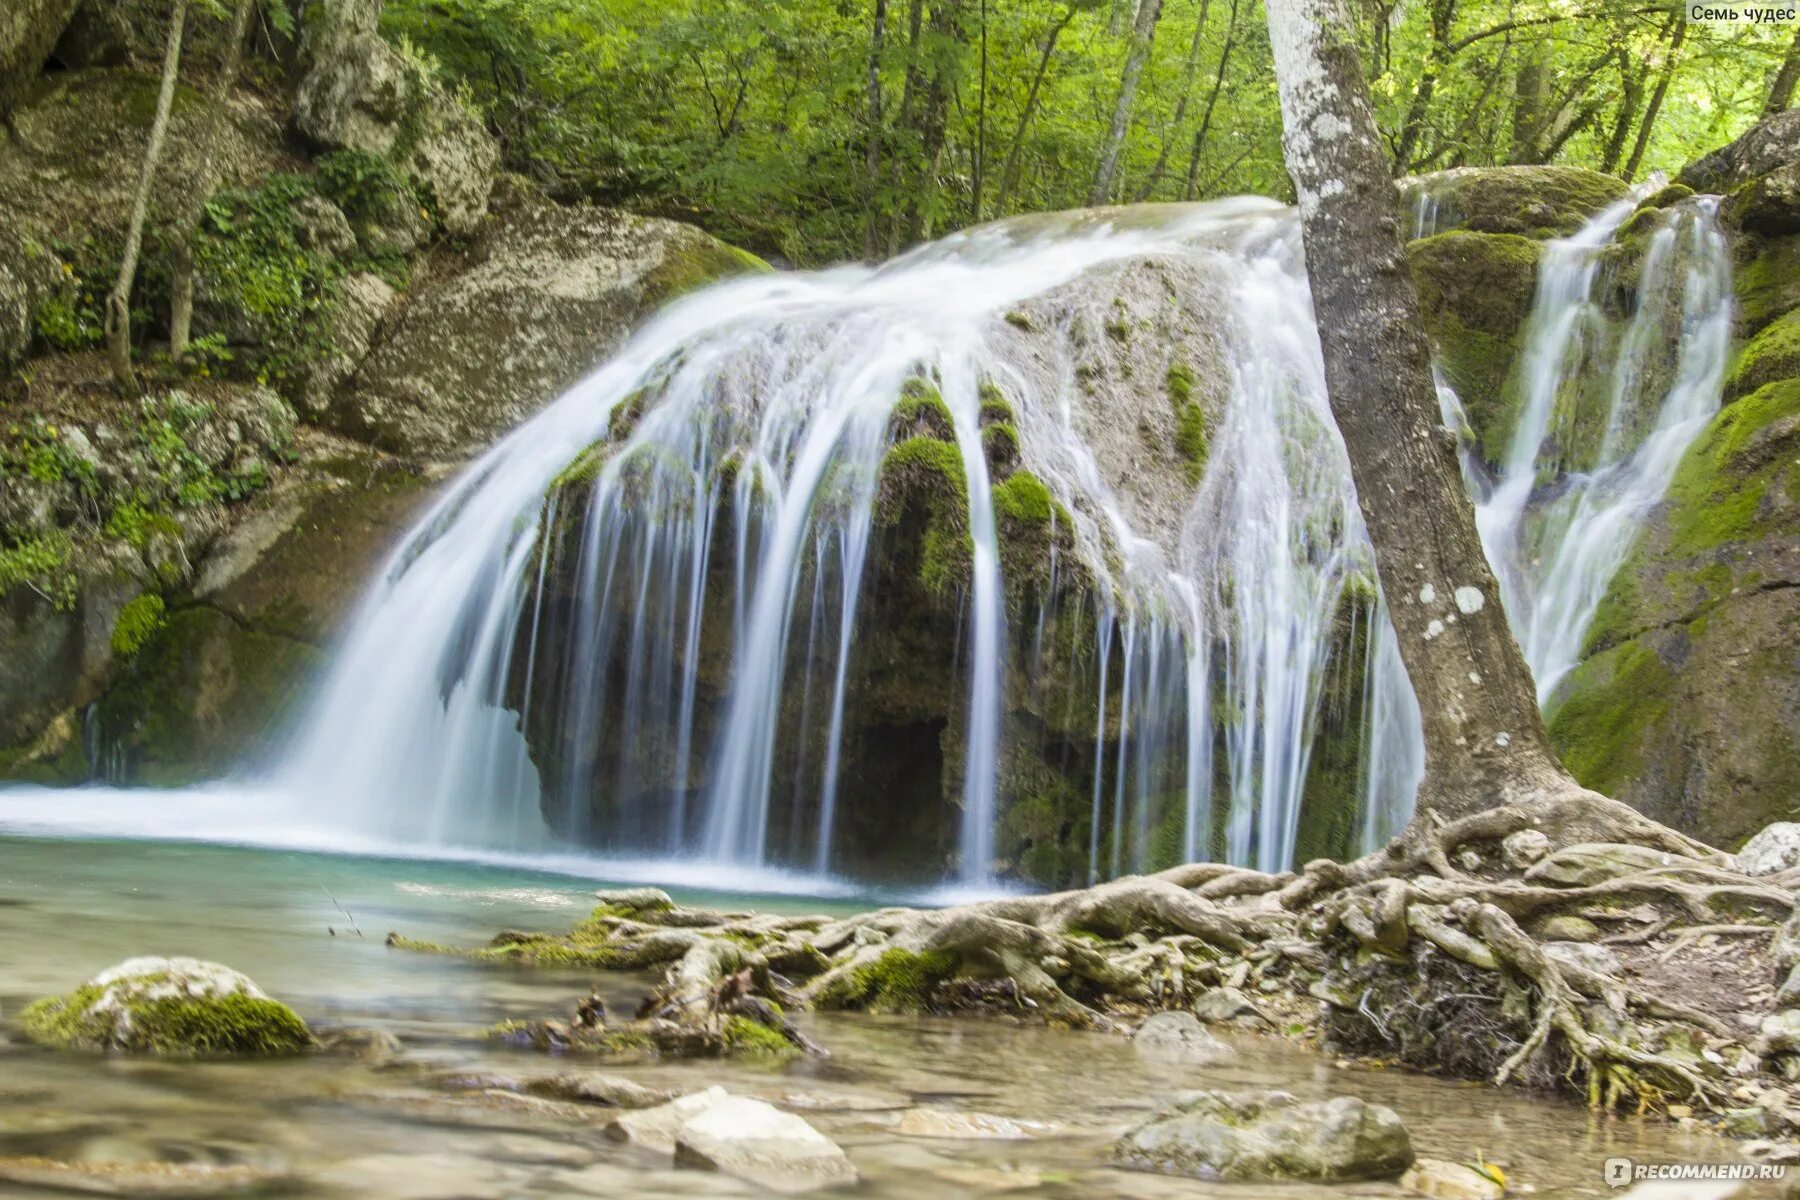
1484,739
1187,86
1143,35
946,24
1656,98
181,296
1529,86
1191,190
872,165
1437,57
914,25
1781,91
1009,174
118,301
979,169
1631,83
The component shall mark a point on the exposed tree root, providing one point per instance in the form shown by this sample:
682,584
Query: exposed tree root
1441,950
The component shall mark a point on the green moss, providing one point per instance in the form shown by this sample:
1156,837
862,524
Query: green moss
1717,493
921,410
686,268
1604,709
930,471
899,980
184,1025
1191,439
1536,201
744,1036
1018,320
140,618
1767,281
1000,442
41,562
995,407
1771,356
1023,497
1180,382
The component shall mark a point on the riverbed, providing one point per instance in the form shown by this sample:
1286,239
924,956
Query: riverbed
309,928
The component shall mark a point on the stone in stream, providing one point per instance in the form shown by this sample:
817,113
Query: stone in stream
1265,1136
1227,1004
1443,1180
1180,1037
655,1128
611,1090
167,1006
759,1143
965,1126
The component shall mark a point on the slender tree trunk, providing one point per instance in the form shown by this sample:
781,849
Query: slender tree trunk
1484,740
872,164
1437,57
1631,94
979,169
1009,174
946,24
1191,189
118,301
1656,98
915,18
1143,35
1781,91
1529,86
181,295
1187,87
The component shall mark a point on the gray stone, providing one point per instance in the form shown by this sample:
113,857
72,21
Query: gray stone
759,1143
1566,927
1773,850
363,299
655,1128
551,293
964,1126
1227,1004
635,898
610,1090
1597,959
1521,849
1444,1180
29,30
1767,146
1267,1136
1180,1037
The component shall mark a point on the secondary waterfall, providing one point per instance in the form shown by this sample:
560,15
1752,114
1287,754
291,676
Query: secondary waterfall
1031,553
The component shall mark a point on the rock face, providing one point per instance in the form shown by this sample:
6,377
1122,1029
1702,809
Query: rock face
29,30
549,294
1775,849
167,1006
1268,1136
1535,202
359,93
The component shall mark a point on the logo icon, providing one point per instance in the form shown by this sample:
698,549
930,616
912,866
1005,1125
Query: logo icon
1618,1172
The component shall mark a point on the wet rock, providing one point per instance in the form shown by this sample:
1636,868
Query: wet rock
375,1046
610,1090
1265,1136
413,1176
1533,201
171,1180
1775,849
29,30
1444,1180
965,1126
655,1128
1179,1036
757,1142
170,1006
489,1108
1227,1004
635,899
1520,850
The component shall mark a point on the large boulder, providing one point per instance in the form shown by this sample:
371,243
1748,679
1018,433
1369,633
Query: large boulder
359,93
550,293
759,1143
1269,1136
167,1006
1536,202
1775,849
29,30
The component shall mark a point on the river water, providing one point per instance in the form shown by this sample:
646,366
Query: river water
309,928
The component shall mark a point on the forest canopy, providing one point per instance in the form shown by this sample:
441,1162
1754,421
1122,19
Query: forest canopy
819,130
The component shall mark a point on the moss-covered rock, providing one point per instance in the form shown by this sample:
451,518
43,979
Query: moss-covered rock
176,1007
1476,292
1534,201
900,980
1772,355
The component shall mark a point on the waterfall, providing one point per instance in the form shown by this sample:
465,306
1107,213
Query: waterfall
642,623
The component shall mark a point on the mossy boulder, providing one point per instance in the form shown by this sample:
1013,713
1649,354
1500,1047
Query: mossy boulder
1476,292
1772,355
170,1007
1687,704
1534,201
560,288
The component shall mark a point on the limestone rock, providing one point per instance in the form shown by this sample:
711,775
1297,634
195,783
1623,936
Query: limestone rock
1267,1136
610,1090
757,1142
1566,927
1767,146
168,1180
29,30
98,35
1536,201
1226,1004
360,93
1775,849
362,300
1598,959
1445,1180
964,1126
655,1128
1180,1037
168,1006
552,292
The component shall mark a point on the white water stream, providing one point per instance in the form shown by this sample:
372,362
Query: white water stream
758,414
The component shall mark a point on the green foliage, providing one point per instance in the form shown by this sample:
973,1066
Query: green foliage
39,450
41,562
138,620
744,1036
1023,497
899,981
176,1025
368,187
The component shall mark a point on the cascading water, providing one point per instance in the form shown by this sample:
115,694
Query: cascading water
656,619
